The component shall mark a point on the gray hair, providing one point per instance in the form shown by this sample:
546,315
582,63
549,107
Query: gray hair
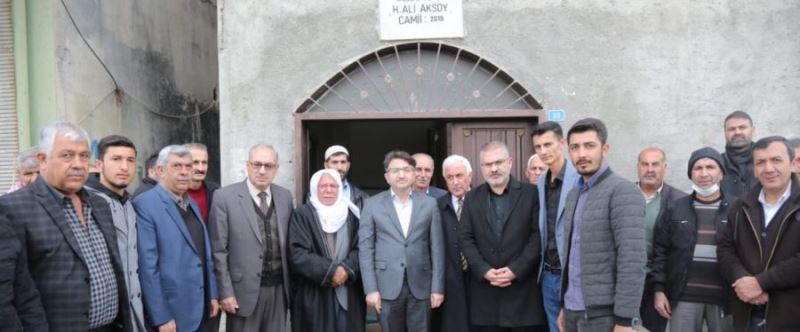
172,150
262,146
196,146
68,130
27,159
530,160
453,159
496,145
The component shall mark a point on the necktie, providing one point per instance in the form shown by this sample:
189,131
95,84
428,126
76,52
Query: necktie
262,203
458,208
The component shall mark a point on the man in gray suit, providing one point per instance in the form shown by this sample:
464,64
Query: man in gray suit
248,223
401,250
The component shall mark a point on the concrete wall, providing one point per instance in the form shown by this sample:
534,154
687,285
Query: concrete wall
163,56
657,72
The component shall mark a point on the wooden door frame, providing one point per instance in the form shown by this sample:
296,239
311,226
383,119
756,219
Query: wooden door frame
301,146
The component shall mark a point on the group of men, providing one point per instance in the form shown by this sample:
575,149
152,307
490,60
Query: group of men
576,247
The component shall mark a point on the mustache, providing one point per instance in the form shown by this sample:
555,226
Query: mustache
76,172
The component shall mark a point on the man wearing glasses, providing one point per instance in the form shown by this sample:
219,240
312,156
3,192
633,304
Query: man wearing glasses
500,240
248,223
401,250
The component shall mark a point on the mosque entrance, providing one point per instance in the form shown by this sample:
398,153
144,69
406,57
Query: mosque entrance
417,97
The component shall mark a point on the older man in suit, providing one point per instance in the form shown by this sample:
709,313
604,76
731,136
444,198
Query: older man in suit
69,237
401,250
500,240
453,314
175,267
248,225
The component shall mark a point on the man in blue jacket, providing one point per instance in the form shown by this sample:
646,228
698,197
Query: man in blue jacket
175,265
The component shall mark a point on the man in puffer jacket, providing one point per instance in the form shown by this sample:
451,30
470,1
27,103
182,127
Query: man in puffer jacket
604,274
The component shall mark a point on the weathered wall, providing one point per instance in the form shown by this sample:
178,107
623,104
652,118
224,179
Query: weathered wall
657,72
163,56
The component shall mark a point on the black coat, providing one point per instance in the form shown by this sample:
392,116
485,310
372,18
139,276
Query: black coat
777,271
519,304
453,314
358,196
20,306
314,303
674,240
57,267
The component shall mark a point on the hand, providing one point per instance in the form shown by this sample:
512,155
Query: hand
214,308
662,305
374,300
168,327
505,275
620,328
747,288
436,300
230,305
499,277
339,277
560,320
761,299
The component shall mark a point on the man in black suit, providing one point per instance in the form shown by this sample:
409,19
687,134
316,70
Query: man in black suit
453,314
500,240
20,306
69,237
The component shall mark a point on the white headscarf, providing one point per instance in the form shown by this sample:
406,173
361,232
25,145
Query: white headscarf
331,217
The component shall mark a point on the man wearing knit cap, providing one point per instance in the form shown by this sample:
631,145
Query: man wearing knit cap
689,290
337,157
738,156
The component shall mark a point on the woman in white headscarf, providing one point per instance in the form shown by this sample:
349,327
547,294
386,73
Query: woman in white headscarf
323,257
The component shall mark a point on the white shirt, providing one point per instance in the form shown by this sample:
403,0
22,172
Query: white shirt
403,211
771,209
650,198
255,191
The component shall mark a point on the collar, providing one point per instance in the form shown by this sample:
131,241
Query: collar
454,201
786,193
394,196
592,180
183,200
97,185
251,188
82,194
654,195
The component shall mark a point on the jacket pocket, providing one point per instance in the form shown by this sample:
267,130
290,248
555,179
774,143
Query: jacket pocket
236,277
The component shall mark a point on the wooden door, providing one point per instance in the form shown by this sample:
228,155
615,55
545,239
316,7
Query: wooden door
467,138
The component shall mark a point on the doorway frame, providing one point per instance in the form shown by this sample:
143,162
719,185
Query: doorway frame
301,131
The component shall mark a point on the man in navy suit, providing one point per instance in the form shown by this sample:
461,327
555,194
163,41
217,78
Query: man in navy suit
175,264
423,174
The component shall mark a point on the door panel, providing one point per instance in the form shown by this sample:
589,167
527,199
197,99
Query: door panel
467,138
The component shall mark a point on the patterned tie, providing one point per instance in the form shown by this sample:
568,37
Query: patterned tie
262,204
458,217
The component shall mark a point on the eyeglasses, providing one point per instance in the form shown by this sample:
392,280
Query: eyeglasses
258,165
396,170
496,163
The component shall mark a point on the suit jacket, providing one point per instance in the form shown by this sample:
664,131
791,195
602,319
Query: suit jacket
570,181
238,245
453,314
435,192
519,304
385,255
55,259
170,269
20,306
358,196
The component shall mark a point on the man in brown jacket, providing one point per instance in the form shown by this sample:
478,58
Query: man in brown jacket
759,253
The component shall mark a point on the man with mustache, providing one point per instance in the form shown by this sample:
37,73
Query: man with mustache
500,240
603,276
337,157
536,167
175,265
116,160
151,175
424,174
69,237
201,190
27,169
658,196
738,155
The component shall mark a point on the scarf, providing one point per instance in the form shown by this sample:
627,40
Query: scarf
331,217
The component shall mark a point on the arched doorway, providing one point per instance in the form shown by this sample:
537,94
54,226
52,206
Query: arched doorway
419,97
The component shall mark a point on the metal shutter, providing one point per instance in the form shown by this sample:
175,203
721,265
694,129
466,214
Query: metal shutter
9,145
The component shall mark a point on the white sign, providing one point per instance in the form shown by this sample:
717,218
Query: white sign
421,19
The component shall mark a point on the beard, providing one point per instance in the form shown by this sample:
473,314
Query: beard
739,142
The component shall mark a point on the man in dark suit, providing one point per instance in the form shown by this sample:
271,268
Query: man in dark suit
500,240
176,271
248,226
453,314
401,250
337,157
21,307
424,174
70,241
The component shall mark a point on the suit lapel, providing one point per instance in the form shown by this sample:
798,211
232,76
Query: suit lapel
172,210
514,190
246,204
415,207
278,199
54,210
389,206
